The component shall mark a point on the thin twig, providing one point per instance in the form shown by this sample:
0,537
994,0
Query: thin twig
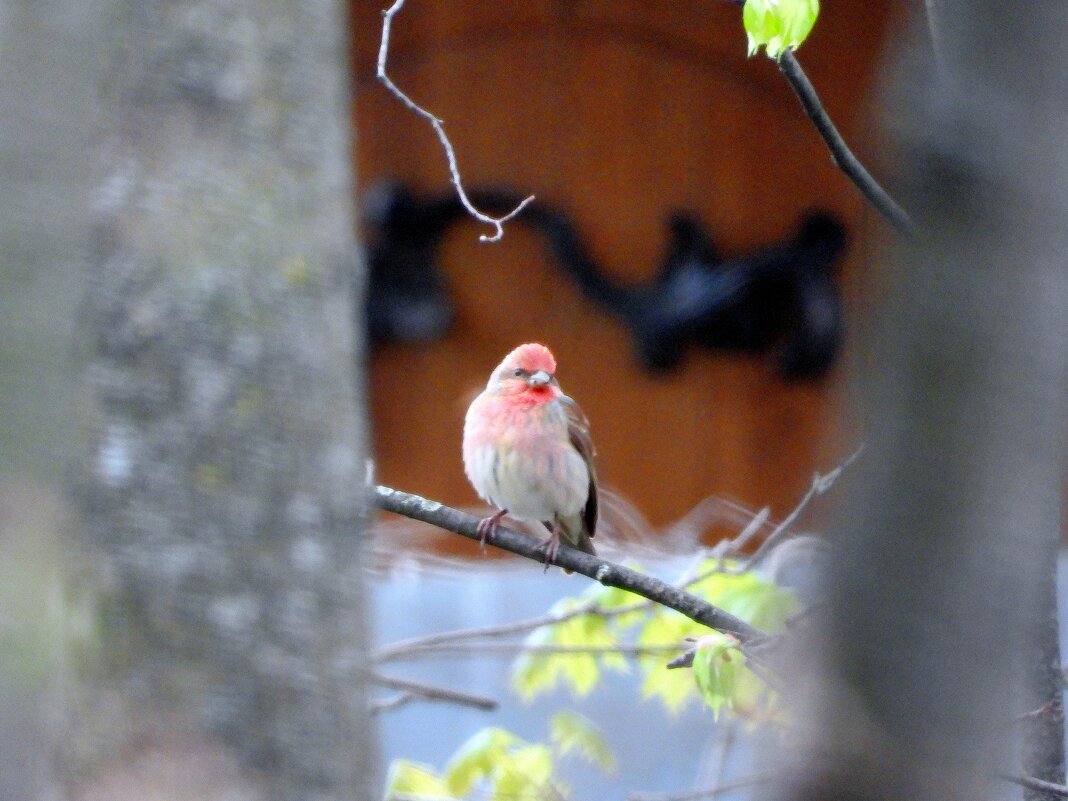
820,485
404,648
432,692
1039,785
389,704
512,648
709,792
607,573
934,27
840,152
439,128
732,547
1046,709
713,764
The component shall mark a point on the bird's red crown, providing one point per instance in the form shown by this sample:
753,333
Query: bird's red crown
532,357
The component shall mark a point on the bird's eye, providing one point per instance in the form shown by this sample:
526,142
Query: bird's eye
517,372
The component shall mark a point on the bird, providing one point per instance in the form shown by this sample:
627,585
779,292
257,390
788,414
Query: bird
527,451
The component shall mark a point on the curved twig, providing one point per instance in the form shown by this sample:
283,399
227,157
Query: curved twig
439,128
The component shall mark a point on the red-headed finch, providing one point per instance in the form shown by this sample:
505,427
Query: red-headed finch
527,451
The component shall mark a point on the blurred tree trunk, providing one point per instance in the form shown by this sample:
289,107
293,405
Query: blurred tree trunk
226,485
949,540
48,113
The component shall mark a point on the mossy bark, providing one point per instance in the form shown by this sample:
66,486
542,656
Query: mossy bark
225,488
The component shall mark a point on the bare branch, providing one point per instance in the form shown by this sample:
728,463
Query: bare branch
710,792
432,642
432,692
840,152
934,27
1039,785
513,648
389,704
607,573
820,485
439,128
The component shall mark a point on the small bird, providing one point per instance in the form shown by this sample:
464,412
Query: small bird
527,451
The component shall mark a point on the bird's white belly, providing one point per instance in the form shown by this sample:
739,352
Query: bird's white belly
552,483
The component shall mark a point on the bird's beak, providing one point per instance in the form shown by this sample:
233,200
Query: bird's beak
539,378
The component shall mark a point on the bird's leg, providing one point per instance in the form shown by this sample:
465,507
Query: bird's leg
552,545
487,527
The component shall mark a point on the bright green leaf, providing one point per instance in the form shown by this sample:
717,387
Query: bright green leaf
534,673
407,778
750,693
615,661
778,25
580,671
570,731
671,687
478,758
523,774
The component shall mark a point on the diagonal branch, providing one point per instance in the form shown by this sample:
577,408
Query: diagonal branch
695,795
439,128
1038,785
820,485
430,692
840,152
607,573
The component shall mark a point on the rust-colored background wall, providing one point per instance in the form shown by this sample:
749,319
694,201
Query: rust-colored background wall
620,111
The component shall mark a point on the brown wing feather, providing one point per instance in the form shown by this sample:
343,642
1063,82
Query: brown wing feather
578,430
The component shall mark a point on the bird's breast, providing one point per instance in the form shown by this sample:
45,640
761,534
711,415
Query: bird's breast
521,459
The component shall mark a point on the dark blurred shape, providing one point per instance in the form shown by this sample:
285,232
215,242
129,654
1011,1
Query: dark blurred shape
406,297
938,637
782,297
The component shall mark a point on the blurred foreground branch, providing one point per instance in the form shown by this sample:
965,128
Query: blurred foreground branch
938,627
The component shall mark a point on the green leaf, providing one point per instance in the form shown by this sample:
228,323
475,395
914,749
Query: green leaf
534,673
580,671
615,661
478,758
523,774
672,687
409,778
748,596
667,627
715,669
569,731
778,25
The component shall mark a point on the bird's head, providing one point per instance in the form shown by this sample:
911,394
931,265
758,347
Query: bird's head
529,369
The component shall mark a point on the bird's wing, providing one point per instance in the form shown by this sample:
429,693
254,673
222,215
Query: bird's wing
578,431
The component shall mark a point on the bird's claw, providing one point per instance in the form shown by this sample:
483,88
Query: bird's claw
487,528
552,548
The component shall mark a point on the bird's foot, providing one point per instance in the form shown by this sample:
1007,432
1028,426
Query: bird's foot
487,527
551,546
